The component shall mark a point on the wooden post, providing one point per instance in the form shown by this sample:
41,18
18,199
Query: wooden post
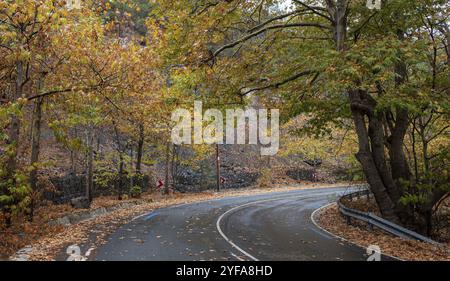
218,167
349,220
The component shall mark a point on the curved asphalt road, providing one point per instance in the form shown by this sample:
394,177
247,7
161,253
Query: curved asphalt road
275,226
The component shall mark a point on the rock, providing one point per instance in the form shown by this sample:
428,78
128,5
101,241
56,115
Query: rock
21,258
313,162
301,174
98,212
25,251
61,221
80,203
22,255
79,216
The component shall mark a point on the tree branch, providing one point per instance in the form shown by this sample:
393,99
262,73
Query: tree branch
256,33
280,17
60,91
314,10
278,84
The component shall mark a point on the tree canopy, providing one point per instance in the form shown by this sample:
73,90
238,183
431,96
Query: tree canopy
335,68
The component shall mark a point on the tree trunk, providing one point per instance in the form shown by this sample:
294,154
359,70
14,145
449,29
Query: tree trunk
377,142
338,12
131,165
140,149
14,127
35,150
367,161
166,187
12,141
175,166
172,166
120,184
72,163
121,162
90,165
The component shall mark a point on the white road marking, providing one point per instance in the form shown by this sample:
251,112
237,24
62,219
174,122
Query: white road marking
253,203
236,256
89,251
140,216
313,214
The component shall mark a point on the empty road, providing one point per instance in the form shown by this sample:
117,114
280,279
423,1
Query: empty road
275,226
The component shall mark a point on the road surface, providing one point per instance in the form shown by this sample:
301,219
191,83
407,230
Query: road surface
275,226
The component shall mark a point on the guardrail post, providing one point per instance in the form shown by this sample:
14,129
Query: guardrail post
369,226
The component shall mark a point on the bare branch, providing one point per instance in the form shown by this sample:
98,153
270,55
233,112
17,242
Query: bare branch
60,91
278,84
256,33
314,10
280,17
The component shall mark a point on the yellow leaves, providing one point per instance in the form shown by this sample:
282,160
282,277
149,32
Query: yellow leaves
340,143
8,37
22,101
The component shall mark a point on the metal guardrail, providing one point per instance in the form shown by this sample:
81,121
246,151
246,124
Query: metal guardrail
373,220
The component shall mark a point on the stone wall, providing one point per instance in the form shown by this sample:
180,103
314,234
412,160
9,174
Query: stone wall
72,186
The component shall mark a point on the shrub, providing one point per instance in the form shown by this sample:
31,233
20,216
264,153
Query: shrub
265,179
135,191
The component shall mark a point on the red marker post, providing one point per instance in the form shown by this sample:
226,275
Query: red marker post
160,184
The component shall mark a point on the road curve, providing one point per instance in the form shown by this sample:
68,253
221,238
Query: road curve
275,226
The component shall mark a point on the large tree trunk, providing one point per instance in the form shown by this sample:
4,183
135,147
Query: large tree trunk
366,158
